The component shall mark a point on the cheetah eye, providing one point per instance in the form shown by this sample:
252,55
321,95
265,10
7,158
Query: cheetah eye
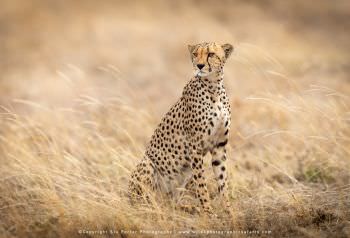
195,54
211,54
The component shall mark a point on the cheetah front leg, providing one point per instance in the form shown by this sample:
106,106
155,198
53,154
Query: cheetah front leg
200,184
219,168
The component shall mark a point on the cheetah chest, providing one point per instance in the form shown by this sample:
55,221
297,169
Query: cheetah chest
218,125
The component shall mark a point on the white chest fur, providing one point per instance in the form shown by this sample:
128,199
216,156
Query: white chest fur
220,117
218,124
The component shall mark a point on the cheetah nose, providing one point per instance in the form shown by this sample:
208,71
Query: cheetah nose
200,66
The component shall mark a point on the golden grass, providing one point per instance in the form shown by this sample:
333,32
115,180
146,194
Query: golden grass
66,170
73,127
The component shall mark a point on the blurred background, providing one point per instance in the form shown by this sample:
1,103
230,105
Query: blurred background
52,51
83,85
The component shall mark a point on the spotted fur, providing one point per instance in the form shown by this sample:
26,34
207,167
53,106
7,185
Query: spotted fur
197,124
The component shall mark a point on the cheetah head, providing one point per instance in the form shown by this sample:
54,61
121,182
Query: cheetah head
209,58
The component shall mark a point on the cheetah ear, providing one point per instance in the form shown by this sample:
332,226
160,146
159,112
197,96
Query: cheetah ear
228,48
190,48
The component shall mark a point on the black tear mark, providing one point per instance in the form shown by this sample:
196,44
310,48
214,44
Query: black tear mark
208,59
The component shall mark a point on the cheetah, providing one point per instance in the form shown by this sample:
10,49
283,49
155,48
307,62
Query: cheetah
198,123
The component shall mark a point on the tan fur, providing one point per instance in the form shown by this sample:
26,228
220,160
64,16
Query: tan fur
197,124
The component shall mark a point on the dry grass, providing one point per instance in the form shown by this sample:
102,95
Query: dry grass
85,84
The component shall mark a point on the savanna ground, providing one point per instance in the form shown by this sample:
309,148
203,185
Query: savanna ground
83,84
